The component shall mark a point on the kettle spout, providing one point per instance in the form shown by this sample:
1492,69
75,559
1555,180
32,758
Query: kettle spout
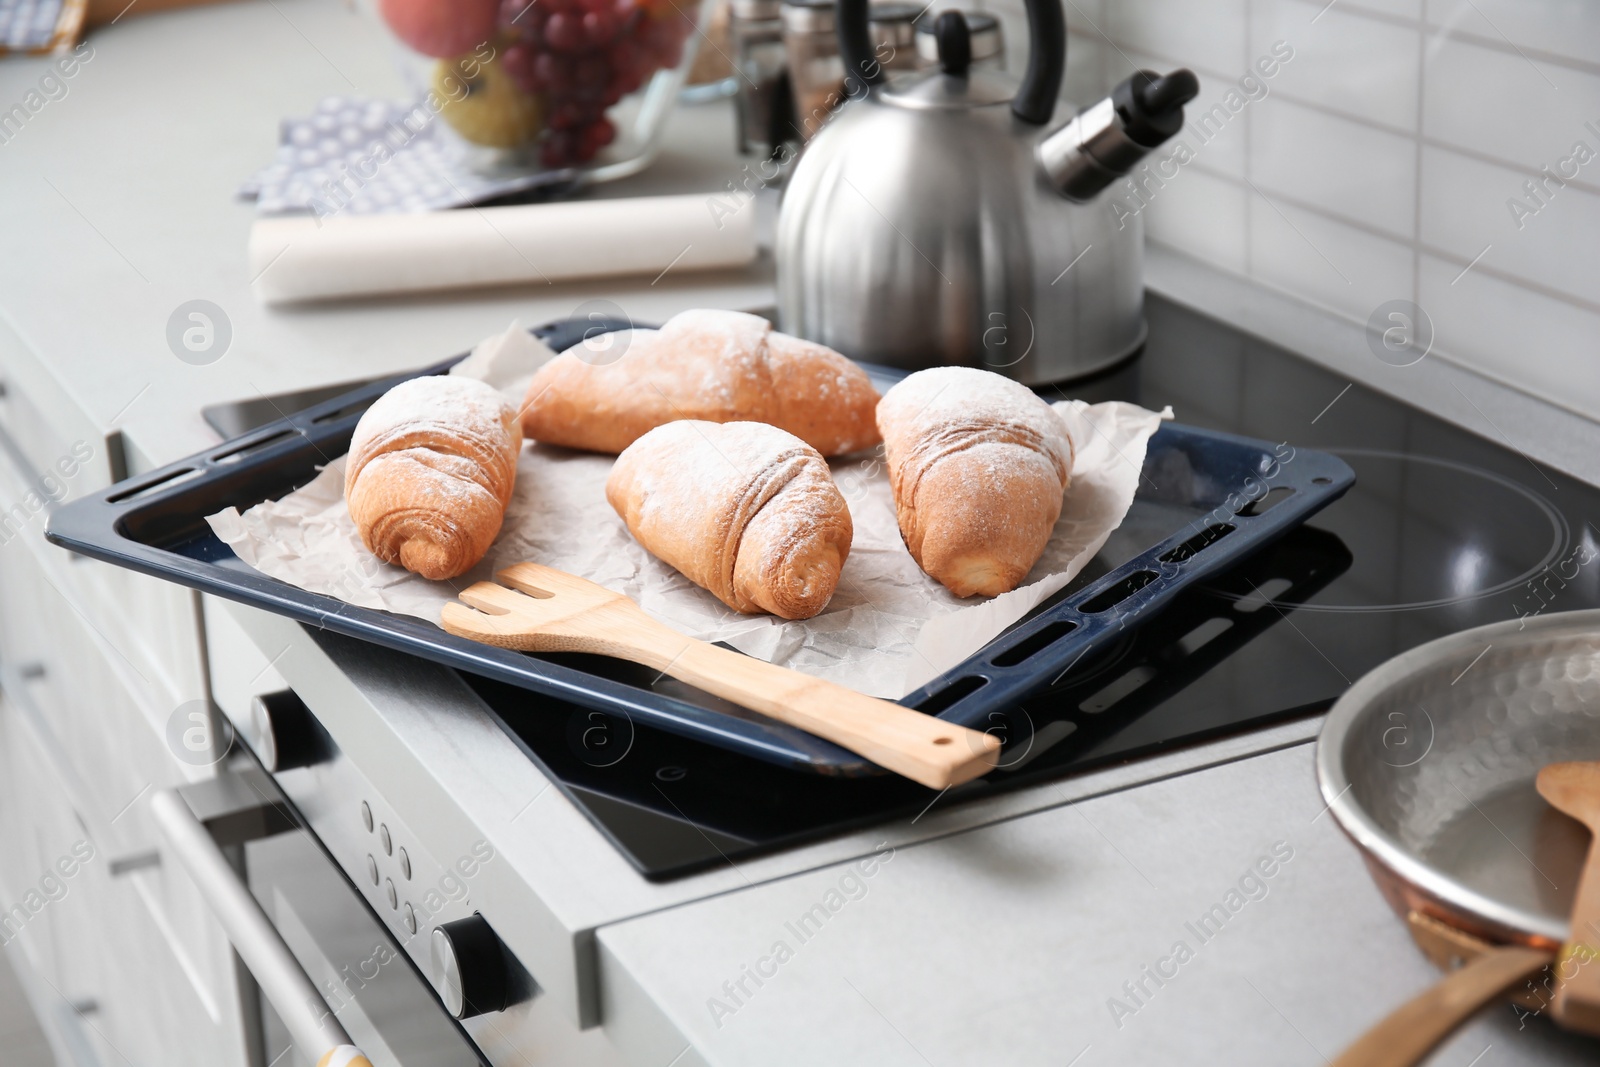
1104,142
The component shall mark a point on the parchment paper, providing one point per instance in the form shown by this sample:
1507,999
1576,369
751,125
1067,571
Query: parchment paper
888,630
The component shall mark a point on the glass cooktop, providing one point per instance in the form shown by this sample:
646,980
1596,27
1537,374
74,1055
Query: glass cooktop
1443,530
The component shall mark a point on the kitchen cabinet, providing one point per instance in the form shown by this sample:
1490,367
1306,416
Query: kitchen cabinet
116,950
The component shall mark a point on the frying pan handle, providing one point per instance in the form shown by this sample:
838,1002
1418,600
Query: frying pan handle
1406,1036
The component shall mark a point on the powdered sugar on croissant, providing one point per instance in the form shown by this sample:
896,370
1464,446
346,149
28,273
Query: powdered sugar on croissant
978,465
430,472
719,366
742,509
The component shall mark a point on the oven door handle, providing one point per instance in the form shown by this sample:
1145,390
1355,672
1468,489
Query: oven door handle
309,1020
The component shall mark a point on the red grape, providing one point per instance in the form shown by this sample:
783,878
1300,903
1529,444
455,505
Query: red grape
531,25
599,28
564,32
552,72
518,62
584,56
590,74
568,115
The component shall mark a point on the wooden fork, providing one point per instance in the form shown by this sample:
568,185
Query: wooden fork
547,610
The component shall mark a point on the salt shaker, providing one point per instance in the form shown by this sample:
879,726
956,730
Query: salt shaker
760,62
816,70
894,35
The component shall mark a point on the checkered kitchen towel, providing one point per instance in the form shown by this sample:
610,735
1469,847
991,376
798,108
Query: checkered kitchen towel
364,157
40,26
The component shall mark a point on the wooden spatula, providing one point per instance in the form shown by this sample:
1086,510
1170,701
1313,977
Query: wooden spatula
1574,788
1408,1034
546,610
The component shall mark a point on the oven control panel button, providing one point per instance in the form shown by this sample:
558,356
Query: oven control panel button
284,733
469,968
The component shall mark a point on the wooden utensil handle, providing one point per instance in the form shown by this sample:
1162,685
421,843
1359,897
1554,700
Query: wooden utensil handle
1577,998
1413,1030
935,753
344,1056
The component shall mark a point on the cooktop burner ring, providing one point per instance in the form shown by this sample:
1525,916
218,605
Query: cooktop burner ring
1560,534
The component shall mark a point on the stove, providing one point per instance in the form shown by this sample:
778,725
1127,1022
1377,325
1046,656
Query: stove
1443,530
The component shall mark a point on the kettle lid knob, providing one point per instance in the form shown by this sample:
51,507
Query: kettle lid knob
954,38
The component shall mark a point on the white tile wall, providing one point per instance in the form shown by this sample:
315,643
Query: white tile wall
1380,161
1348,268
1204,215
1208,35
1465,212
1547,346
1348,63
1562,27
1505,104
1335,164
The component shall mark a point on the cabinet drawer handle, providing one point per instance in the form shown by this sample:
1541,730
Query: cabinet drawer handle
309,1020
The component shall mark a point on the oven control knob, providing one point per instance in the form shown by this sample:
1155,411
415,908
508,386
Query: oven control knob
286,734
469,968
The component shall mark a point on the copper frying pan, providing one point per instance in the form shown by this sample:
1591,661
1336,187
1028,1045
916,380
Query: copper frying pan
1428,763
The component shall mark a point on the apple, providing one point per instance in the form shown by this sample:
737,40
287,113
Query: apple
441,28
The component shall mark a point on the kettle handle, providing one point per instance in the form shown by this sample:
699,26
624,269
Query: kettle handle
1035,101
861,65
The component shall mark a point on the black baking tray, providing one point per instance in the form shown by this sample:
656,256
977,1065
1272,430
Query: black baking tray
1206,500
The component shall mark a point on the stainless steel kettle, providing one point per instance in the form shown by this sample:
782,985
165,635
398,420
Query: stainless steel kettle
932,221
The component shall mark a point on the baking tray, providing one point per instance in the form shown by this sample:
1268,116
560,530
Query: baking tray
1206,500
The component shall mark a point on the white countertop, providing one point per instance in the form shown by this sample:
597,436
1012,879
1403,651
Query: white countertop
1001,928
1026,942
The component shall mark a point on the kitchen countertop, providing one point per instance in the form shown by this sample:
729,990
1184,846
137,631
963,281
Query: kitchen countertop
1018,944
1000,928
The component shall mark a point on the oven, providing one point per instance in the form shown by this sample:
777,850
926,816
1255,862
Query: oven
331,975
357,938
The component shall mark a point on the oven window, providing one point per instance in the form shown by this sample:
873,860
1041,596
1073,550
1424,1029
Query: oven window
368,982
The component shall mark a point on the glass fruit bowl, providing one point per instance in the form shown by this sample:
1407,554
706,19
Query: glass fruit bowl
575,89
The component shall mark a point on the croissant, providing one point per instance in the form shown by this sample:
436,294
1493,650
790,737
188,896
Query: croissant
978,465
719,366
430,472
742,509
